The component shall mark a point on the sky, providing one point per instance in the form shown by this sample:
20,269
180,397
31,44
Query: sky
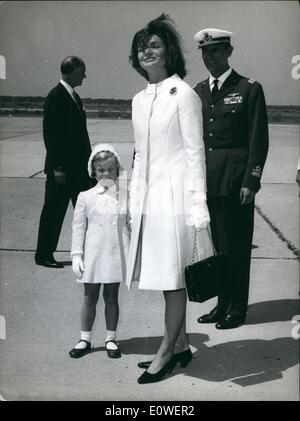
35,36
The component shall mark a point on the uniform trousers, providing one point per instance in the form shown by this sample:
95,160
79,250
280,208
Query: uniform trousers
232,231
57,198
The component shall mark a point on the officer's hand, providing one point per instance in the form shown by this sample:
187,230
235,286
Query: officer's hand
77,265
60,176
246,195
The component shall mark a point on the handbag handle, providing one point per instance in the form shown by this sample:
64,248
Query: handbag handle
195,244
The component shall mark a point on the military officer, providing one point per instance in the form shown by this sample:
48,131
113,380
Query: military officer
235,130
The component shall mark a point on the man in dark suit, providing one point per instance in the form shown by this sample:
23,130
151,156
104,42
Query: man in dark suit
235,131
68,150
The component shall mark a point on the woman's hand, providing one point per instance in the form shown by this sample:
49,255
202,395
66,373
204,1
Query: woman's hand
199,212
201,224
77,265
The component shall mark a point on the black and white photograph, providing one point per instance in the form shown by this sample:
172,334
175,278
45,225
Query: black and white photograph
149,203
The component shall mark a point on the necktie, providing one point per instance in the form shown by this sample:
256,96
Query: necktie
215,89
76,100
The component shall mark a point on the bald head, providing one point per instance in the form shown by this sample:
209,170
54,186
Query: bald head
73,70
69,64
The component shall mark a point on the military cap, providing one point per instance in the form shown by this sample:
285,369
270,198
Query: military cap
210,36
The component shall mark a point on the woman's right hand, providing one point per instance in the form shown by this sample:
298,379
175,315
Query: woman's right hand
77,265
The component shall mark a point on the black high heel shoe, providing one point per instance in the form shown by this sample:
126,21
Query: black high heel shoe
157,377
183,358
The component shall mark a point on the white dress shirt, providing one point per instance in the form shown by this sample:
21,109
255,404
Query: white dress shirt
68,88
221,79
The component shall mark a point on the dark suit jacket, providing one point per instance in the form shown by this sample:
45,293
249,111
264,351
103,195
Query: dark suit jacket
235,131
65,134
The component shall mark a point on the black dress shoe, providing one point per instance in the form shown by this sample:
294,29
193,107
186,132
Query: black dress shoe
77,353
214,316
183,358
157,377
49,263
113,353
231,321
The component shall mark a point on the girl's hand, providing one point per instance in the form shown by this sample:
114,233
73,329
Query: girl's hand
77,265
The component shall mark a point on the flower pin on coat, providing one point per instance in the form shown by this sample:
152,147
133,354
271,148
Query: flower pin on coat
173,91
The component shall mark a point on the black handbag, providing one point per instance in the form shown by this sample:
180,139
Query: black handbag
205,279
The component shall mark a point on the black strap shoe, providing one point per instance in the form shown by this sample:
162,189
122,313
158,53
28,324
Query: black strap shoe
231,321
113,353
144,364
214,316
78,353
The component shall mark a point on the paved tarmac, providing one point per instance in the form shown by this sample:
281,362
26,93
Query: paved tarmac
40,307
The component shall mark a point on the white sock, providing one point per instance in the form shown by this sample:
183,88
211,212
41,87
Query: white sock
84,336
111,335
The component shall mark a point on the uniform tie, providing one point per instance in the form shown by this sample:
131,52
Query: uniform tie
215,89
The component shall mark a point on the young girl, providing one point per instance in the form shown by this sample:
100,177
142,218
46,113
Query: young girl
100,240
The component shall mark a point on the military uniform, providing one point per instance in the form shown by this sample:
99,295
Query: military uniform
235,130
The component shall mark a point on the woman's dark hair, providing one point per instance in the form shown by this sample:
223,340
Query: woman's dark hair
163,27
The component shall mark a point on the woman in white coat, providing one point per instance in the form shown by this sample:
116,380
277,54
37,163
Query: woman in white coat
168,186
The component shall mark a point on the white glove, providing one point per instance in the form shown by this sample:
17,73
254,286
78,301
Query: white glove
199,212
201,223
77,265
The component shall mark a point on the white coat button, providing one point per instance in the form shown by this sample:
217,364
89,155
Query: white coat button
210,149
211,119
212,106
233,111
210,134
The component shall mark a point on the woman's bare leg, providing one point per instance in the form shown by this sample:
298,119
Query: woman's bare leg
175,313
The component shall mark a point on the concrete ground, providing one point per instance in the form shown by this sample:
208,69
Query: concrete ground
40,307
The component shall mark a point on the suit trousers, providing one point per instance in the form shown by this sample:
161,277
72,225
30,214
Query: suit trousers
232,231
57,198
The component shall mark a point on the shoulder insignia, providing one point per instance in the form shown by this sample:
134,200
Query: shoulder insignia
251,80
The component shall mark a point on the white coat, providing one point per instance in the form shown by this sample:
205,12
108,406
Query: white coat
100,234
168,186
